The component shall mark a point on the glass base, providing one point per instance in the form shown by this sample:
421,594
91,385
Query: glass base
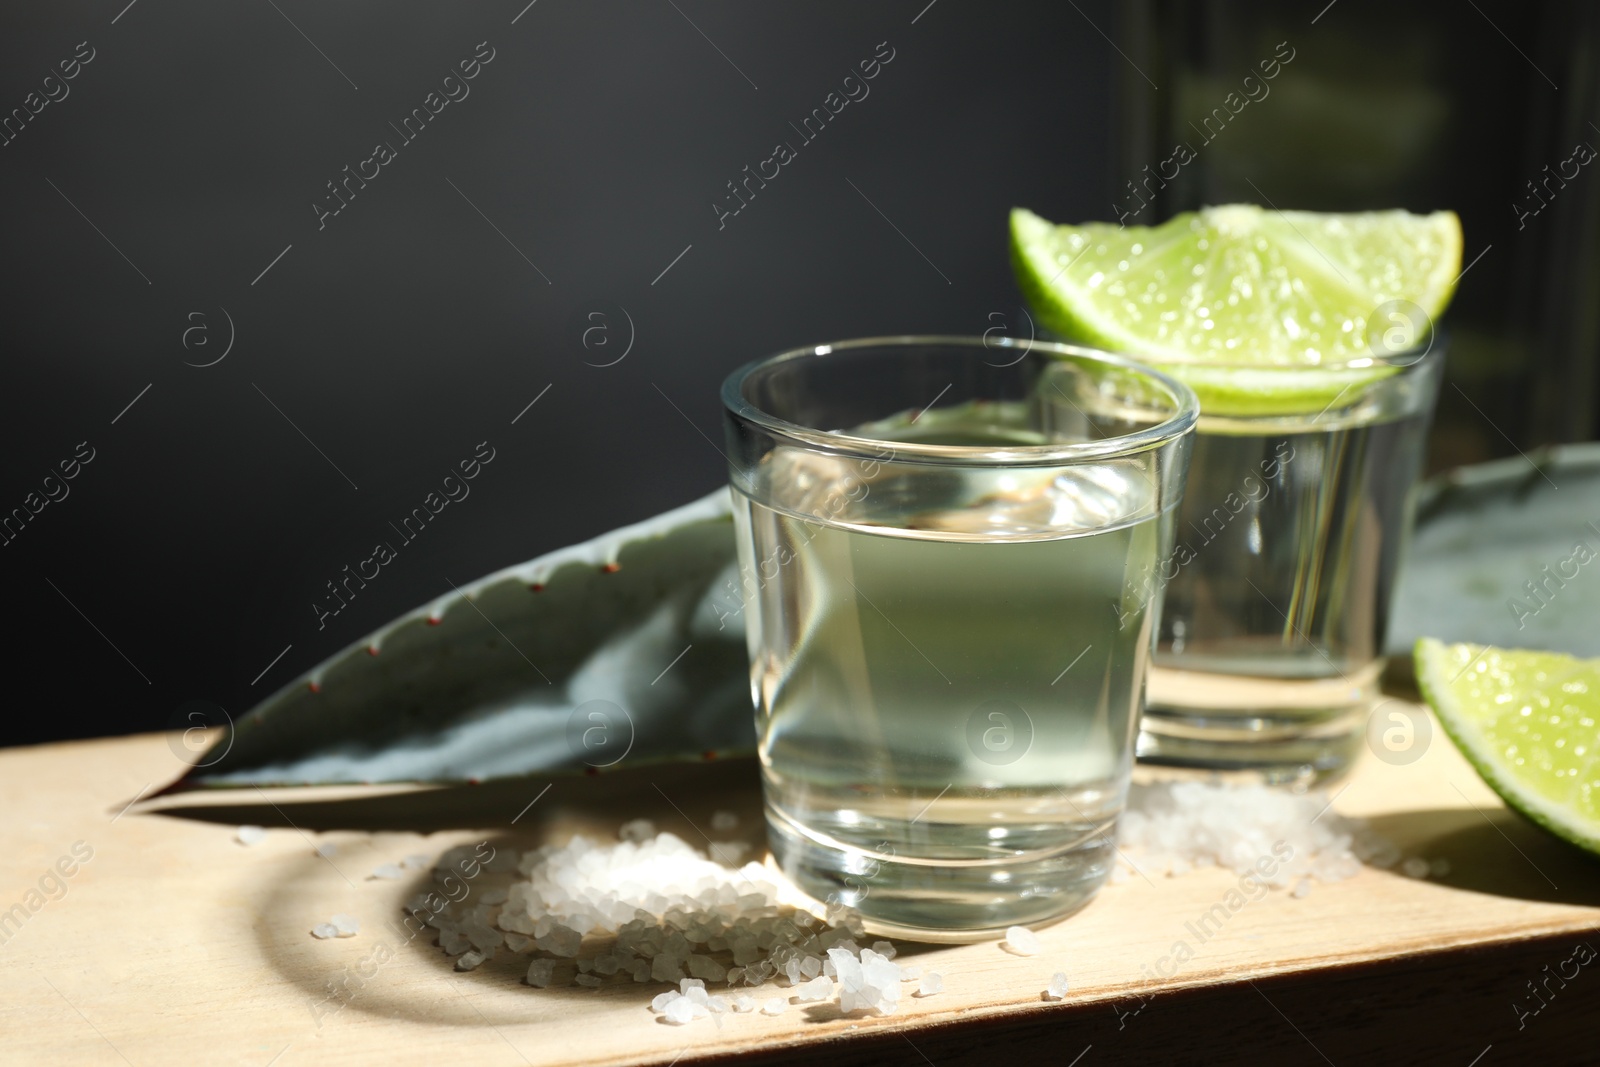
1302,732
941,900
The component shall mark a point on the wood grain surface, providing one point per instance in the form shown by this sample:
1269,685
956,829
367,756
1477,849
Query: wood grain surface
146,934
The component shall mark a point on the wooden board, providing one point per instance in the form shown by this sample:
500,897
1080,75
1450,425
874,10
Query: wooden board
175,944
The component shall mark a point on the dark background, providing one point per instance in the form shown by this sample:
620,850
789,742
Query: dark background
380,350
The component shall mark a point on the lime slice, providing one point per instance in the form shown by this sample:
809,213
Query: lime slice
1526,721
1261,312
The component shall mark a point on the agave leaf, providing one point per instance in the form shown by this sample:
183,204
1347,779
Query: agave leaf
627,647
1483,533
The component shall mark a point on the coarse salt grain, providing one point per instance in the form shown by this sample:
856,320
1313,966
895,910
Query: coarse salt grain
932,982
250,835
1276,835
1057,990
723,821
1414,867
346,925
387,872
819,988
323,931
470,961
561,941
1023,941
654,908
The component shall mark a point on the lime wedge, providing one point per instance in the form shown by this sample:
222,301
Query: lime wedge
1527,722
1261,312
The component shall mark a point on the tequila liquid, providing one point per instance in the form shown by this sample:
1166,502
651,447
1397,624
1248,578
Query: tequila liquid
948,667
1284,558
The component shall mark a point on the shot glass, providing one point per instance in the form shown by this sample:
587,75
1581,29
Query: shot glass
942,542
1283,566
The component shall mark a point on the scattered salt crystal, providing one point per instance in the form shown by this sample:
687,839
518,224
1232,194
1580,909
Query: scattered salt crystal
540,972
484,938
1023,941
884,949
323,931
589,980
387,872
561,941
910,974
345,925
723,821
637,830
846,968
661,1001
1057,989
250,835
416,861
518,943
717,1005
774,1006
1277,835
932,982
810,967
679,1010
1302,889
327,851
641,970
691,983
1415,867
470,961
819,988
706,967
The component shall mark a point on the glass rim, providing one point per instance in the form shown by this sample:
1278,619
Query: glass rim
1183,419
1438,339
